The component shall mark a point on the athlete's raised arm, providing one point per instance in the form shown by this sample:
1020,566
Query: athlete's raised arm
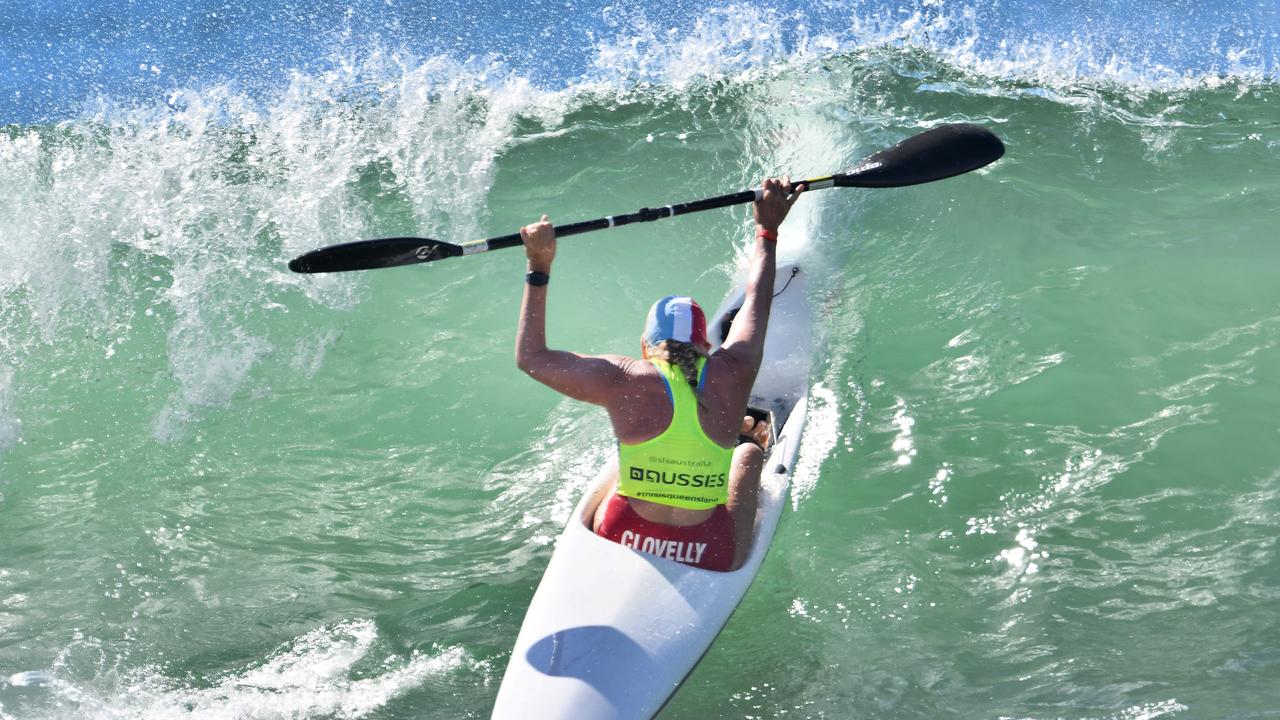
590,378
745,344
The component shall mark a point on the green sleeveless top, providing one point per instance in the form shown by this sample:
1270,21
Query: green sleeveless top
681,467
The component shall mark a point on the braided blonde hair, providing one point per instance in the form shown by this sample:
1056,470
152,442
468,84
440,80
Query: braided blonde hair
681,354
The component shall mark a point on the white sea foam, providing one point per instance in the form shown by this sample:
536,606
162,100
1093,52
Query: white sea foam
739,40
336,671
821,434
10,425
180,218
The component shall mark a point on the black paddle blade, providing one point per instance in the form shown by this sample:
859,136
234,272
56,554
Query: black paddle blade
372,254
943,152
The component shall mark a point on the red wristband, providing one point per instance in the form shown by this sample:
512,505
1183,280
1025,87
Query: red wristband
770,235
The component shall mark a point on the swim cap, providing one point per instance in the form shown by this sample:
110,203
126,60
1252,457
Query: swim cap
679,318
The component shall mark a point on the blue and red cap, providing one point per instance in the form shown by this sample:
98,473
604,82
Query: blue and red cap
676,317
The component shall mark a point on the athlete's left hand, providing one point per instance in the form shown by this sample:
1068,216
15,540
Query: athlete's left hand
539,244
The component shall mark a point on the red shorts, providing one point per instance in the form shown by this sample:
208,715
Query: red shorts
708,545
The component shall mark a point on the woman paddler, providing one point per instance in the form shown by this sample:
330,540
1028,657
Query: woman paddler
687,489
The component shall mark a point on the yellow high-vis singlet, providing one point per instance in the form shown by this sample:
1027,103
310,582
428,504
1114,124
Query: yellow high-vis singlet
681,467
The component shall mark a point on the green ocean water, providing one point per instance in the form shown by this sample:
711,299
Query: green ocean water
1041,478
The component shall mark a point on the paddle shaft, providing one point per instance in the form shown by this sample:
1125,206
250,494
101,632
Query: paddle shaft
642,215
936,154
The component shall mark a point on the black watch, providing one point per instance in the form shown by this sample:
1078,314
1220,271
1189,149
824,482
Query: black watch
537,278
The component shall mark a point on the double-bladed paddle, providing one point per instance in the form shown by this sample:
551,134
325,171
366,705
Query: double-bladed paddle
943,152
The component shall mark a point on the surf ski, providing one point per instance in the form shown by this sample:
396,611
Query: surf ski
612,631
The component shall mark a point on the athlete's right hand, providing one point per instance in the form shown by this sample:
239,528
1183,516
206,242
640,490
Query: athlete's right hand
539,244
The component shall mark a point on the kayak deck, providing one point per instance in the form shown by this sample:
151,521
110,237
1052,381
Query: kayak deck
612,632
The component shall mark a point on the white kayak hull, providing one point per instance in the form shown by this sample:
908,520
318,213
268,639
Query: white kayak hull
612,632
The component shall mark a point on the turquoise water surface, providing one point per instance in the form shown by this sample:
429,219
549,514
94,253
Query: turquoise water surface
1041,476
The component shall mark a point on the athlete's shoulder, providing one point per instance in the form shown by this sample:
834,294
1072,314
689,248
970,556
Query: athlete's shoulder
628,367
730,371
731,358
